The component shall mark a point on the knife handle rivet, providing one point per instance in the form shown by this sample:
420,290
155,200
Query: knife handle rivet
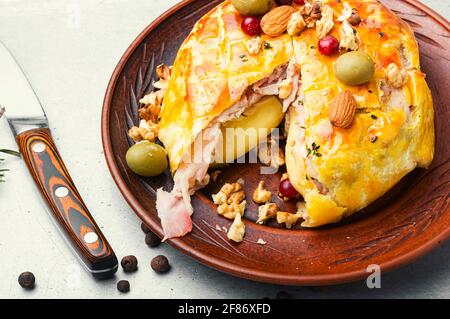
38,147
90,237
61,192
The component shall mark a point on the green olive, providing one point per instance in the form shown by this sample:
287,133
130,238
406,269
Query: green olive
252,7
147,159
354,68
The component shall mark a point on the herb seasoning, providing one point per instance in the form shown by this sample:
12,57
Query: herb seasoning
267,46
313,150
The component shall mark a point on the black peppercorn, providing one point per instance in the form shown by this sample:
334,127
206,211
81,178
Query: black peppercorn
27,280
129,263
123,286
160,264
152,240
145,228
373,138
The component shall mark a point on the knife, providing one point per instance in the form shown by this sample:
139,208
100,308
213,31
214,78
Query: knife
29,124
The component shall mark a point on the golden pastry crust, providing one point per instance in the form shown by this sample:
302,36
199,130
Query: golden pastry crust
211,72
390,135
338,171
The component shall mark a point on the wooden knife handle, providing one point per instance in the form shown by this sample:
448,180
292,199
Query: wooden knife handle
56,185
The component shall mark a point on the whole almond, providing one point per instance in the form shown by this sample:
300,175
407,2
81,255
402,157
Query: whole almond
275,22
342,110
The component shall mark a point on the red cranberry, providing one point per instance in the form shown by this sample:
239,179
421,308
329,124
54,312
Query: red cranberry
251,26
328,45
286,189
284,2
301,2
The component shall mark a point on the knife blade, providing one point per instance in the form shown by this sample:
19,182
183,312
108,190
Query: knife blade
29,124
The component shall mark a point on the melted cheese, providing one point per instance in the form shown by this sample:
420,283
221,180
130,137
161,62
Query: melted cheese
212,70
321,210
387,139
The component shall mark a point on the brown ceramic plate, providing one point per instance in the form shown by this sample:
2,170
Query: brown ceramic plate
409,221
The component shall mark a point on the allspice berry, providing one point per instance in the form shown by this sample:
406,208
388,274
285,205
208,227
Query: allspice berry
152,240
123,286
27,280
129,263
145,228
160,264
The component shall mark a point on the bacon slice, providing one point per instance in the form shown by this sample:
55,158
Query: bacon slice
174,214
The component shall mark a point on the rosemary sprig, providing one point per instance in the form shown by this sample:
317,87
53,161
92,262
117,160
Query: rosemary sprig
2,175
10,152
2,171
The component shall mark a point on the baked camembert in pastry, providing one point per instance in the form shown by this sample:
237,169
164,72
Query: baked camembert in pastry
344,74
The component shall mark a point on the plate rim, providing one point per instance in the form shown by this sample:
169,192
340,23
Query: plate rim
209,260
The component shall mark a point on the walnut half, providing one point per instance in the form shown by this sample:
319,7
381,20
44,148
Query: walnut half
326,23
254,45
231,200
311,13
349,38
237,230
288,219
147,131
396,77
261,195
267,212
163,72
